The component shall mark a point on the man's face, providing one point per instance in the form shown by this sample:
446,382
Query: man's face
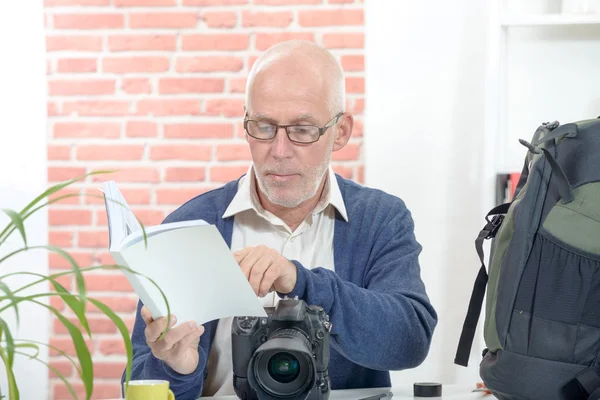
289,173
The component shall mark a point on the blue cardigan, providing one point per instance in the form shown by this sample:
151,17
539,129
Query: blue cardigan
381,316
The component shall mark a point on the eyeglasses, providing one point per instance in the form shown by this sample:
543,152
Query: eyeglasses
296,133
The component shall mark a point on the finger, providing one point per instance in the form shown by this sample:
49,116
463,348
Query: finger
146,315
248,263
186,341
156,328
266,284
240,254
175,335
257,272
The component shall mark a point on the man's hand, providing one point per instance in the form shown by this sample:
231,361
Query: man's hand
267,270
179,347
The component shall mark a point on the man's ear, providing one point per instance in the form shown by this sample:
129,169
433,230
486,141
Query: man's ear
343,131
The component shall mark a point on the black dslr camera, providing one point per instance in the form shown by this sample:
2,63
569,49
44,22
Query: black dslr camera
282,356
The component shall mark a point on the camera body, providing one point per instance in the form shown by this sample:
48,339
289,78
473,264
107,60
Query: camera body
284,355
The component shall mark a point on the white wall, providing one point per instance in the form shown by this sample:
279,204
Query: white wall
23,169
425,74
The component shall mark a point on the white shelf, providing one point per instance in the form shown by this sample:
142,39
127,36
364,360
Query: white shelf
549,19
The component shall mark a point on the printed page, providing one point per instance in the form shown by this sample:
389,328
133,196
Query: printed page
197,272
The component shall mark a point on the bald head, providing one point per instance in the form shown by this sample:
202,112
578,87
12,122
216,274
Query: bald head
298,61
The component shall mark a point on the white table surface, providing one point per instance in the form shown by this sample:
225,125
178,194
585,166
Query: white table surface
405,392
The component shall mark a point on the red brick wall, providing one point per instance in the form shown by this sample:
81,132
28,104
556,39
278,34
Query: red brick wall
155,89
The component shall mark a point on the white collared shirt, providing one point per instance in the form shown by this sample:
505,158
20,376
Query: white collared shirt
311,244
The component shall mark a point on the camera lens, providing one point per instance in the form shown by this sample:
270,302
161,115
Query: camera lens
283,367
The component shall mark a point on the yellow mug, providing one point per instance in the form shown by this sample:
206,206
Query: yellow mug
149,390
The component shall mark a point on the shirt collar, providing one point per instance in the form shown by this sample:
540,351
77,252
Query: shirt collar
246,197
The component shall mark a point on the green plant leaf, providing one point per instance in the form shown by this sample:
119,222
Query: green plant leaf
122,329
10,344
16,219
28,346
74,304
50,367
11,297
13,389
81,349
62,353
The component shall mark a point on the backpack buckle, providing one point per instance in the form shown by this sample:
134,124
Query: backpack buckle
494,225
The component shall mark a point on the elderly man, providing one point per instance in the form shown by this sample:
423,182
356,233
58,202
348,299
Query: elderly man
297,228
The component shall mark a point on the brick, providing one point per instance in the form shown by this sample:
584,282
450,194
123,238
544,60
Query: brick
107,283
68,65
109,370
98,108
173,20
65,368
92,239
106,130
62,3
149,217
165,107
59,174
355,84
64,217
97,325
129,175
104,258
209,64
265,40
233,152
180,152
361,174
59,152
57,303
237,85
119,304
227,173
185,174
223,41
142,43
312,18
61,198
213,2
52,109
176,196
73,43
219,19
144,3
136,85
109,347
102,390
61,239
286,2
353,62
225,107
56,261
344,40
125,65
343,171
115,152
66,344
359,106
81,87
141,129
132,195
89,21
276,19
358,128
251,61
190,85
193,131
350,152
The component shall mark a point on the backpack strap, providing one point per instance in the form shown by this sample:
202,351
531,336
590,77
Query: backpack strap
585,384
470,325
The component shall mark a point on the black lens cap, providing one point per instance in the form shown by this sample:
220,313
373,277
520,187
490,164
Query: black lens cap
428,389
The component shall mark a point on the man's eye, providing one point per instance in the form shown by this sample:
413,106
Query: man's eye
265,128
303,130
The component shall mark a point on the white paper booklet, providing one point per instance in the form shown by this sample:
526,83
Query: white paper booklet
189,260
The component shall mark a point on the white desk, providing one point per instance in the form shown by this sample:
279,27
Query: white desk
449,392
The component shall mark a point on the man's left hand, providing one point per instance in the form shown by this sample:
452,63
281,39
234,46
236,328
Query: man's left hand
266,270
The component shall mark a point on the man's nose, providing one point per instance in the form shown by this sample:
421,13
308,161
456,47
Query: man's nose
282,146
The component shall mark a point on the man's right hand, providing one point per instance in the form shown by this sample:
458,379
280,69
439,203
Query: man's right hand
179,347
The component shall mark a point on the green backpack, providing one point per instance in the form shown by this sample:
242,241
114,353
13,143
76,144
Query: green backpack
542,315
